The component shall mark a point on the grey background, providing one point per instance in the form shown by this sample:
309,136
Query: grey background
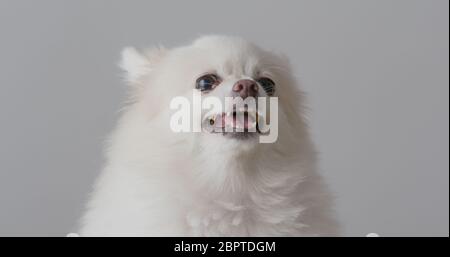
376,73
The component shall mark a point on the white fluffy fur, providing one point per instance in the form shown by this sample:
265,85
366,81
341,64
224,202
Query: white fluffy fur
160,183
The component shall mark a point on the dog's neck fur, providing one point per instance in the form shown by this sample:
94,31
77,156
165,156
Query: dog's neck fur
244,188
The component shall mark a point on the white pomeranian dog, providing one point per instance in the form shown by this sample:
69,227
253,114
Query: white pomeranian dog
160,182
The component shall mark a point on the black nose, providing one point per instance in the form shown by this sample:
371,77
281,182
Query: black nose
246,88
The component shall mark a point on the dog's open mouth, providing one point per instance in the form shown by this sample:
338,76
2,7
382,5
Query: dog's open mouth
241,124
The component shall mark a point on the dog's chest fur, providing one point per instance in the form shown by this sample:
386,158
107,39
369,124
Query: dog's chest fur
228,219
239,208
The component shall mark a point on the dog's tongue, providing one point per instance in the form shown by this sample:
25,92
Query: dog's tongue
223,120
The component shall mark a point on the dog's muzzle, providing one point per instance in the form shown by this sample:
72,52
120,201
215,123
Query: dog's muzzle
236,121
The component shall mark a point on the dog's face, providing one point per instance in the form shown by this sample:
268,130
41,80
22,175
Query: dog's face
217,67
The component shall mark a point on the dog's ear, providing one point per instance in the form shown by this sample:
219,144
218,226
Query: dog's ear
139,64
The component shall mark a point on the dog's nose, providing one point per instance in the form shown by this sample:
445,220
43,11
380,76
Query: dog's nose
246,88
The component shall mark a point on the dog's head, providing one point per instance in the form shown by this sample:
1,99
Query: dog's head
236,73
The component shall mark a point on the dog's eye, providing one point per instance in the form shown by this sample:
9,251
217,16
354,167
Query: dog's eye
207,82
267,84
